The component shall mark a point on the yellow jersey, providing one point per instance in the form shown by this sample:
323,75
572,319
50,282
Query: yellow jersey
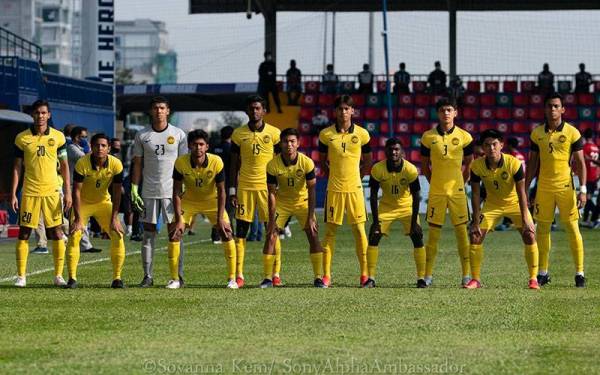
40,154
344,151
395,182
555,149
446,151
499,182
97,179
256,148
290,179
200,181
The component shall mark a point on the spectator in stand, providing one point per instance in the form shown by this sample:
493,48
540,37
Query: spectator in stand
267,81
319,121
365,80
437,80
546,80
330,81
456,90
67,132
401,80
294,83
583,80
590,155
223,150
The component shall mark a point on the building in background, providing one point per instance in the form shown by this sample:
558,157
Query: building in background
61,21
22,17
142,48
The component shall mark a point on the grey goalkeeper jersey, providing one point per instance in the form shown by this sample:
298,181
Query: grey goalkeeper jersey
159,151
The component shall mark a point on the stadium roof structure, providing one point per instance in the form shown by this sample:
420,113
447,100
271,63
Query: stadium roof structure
269,9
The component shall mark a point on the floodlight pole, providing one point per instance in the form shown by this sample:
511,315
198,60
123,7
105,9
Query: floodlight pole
388,94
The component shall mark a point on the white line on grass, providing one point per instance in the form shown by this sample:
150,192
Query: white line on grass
12,278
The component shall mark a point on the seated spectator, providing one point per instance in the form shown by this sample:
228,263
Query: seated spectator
319,120
365,80
330,81
401,80
545,80
437,80
293,80
583,80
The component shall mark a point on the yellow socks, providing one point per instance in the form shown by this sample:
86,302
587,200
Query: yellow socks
431,248
173,251
328,247
475,261
58,253
372,255
277,263
316,259
22,251
462,242
268,260
543,243
576,244
361,243
420,260
240,249
117,254
230,258
532,258
73,254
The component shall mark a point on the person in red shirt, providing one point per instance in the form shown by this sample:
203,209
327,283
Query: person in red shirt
592,166
511,146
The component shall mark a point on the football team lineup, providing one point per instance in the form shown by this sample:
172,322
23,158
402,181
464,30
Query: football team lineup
175,177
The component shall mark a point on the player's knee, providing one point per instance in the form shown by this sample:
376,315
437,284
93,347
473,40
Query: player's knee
54,233
224,235
528,238
149,227
24,233
374,239
417,240
241,228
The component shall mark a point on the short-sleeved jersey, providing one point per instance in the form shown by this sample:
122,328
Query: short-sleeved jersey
97,179
159,151
591,153
394,182
555,149
200,181
291,178
499,182
40,159
446,151
256,148
344,151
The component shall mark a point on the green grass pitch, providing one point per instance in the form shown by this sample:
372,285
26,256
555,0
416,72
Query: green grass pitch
394,328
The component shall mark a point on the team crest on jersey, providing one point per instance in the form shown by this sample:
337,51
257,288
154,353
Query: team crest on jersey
403,181
562,139
51,142
267,138
299,173
354,139
171,140
504,175
209,174
455,141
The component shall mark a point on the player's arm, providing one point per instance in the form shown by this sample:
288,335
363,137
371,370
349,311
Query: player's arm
467,161
136,177
16,177
528,225
77,184
365,168
222,225
374,202
532,165
311,185
233,173
177,190
117,189
425,161
272,203
582,176
66,176
475,204
415,191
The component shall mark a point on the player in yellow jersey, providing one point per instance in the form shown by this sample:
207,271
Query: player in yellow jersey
399,183
199,189
252,147
553,145
446,157
504,181
341,147
292,192
94,174
38,150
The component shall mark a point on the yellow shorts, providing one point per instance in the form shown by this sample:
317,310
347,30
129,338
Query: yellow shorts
101,211
32,207
285,211
456,204
249,201
546,203
491,214
208,209
353,203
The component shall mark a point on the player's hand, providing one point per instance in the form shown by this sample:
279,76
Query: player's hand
14,203
179,228
115,226
581,200
528,227
68,203
224,227
311,225
77,225
233,200
137,203
416,230
475,231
